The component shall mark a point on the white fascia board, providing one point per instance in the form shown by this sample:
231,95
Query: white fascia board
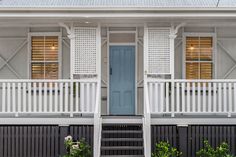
118,15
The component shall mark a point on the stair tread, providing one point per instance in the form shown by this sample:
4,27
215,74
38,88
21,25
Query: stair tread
121,147
122,139
122,131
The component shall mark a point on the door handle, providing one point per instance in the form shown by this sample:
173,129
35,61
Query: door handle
110,71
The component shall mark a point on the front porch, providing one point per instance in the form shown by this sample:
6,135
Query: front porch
66,74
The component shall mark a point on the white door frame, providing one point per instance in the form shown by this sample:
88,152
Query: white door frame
108,64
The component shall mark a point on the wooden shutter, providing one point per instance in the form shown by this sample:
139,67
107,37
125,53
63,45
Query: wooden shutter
85,51
158,51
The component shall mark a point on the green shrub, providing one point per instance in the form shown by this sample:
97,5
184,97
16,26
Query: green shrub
208,151
164,149
77,149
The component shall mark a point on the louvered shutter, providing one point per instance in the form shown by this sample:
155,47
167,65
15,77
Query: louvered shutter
158,51
85,51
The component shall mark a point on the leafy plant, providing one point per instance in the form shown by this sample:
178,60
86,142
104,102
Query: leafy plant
164,149
208,151
77,149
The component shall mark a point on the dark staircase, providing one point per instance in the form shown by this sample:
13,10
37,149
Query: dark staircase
121,140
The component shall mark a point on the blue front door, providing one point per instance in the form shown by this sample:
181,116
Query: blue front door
122,80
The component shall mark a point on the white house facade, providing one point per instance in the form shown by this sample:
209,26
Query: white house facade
123,74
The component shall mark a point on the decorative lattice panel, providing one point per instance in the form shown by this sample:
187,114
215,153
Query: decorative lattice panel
158,51
85,52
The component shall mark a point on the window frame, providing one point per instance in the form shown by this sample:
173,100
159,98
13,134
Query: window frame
214,50
59,35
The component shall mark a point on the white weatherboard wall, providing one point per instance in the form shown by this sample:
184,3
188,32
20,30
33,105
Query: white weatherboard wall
224,61
13,38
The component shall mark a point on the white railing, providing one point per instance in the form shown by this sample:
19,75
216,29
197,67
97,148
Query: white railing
210,97
48,96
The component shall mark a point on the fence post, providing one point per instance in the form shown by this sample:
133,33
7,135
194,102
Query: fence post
63,134
183,139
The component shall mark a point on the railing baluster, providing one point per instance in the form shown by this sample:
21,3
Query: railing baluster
82,97
234,96
162,97
45,88
154,96
214,97
61,96
224,97
199,97
71,98
209,97
219,98
188,97
3,96
177,97
153,107
56,97
35,97
183,96
93,98
193,97
87,96
24,98
29,97
230,99
50,97
204,96
19,96
167,97
66,97
40,96
8,97
77,97
14,96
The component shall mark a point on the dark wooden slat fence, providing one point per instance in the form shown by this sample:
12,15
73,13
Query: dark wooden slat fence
39,141
190,139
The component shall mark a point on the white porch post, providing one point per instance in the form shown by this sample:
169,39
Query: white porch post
172,37
71,36
147,115
97,113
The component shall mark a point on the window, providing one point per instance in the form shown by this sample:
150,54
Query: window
199,57
44,57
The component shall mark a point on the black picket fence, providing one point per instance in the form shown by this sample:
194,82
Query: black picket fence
190,139
39,141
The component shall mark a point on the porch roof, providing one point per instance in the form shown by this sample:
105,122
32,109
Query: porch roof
118,3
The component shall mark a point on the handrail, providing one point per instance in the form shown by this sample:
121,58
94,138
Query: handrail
40,81
147,123
193,81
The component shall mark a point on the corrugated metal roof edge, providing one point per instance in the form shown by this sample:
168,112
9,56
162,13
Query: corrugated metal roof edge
98,8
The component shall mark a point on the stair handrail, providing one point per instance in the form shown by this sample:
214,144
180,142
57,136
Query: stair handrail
147,122
97,122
